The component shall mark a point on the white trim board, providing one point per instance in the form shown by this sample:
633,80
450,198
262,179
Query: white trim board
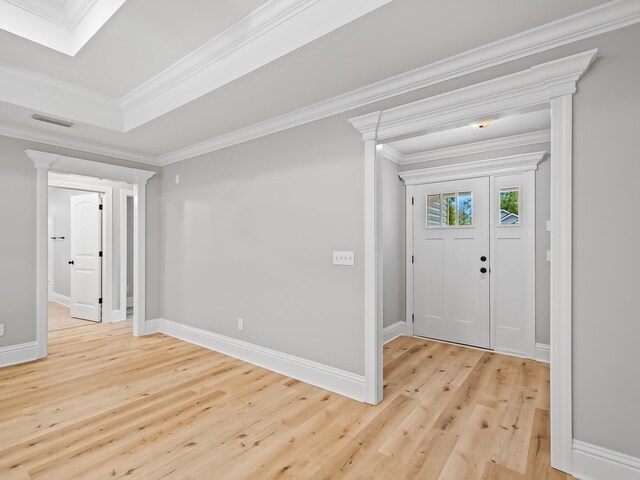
123,300
62,26
314,373
523,162
61,299
70,101
591,462
393,331
543,352
15,354
552,83
524,139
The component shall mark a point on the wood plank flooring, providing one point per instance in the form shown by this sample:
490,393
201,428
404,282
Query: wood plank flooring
60,317
108,405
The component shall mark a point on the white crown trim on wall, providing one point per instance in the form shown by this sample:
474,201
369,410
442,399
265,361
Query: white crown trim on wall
67,100
521,140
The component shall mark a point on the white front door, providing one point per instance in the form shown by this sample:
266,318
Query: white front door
85,262
451,261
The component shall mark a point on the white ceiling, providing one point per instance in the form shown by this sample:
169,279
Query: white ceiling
502,127
346,50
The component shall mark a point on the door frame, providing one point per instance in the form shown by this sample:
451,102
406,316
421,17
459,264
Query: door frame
46,162
549,85
124,195
525,164
107,235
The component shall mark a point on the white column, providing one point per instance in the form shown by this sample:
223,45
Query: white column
42,162
139,239
373,326
561,205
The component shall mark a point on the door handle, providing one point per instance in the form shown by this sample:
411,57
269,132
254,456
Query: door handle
71,262
483,270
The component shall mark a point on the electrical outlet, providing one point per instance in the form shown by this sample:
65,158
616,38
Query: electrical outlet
240,324
1,329
343,258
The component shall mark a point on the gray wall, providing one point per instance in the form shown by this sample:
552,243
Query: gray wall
249,233
392,224
60,209
17,242
606,256
543,211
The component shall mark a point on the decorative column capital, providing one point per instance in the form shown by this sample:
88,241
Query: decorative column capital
42,160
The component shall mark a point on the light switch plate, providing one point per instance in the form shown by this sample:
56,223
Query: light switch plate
177,178
1,329
548,225
343,258
548,255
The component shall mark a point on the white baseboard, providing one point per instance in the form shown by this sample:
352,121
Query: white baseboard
118,316
591,462
393,331
329,378
153,326
543,353
61,299
21,353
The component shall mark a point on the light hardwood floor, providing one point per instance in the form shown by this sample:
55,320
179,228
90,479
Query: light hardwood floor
60,317
108,405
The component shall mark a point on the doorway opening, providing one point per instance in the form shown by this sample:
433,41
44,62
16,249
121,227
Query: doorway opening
48,167
89,273
548,85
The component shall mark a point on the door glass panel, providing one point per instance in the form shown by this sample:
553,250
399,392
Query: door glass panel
434,210
509,206
465,208
449,207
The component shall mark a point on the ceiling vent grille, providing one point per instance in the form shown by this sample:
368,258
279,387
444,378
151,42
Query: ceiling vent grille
54,121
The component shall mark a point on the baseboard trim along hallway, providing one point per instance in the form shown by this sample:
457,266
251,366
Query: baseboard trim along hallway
333,379
591,462
21,353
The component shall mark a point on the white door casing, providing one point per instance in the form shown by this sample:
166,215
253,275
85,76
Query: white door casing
451,281
86,261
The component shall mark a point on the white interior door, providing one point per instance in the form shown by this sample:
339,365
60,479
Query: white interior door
85,262
451,261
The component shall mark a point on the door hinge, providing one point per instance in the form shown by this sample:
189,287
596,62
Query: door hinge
413,318
100,207
100,253
100,301
412,200
412,259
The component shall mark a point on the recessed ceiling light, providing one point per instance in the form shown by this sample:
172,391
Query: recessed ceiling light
54,121
484,124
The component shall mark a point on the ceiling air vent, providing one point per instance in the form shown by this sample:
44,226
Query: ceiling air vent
54,121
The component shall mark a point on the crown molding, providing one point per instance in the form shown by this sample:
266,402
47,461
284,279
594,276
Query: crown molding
65,100
79,166
595,21
524,89
74,103
72,143
190,77
495,166
521,140
268,33
65,28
